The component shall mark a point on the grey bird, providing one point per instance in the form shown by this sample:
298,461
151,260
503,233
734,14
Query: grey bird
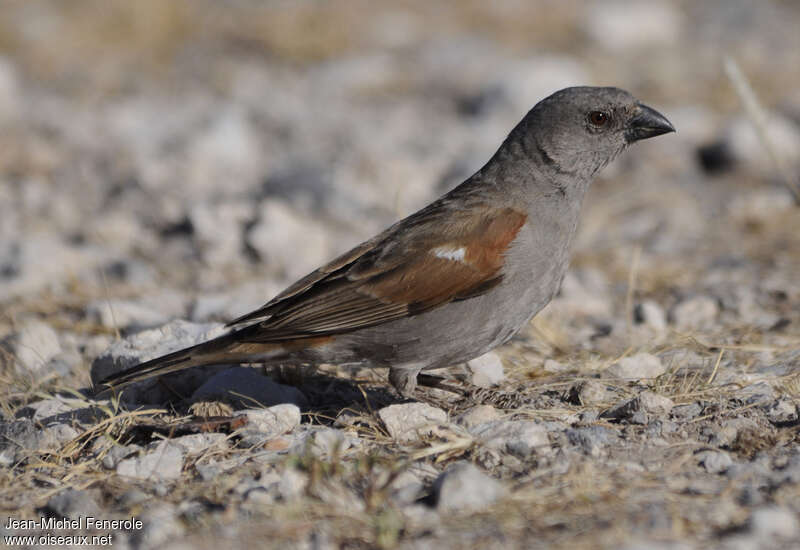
455,279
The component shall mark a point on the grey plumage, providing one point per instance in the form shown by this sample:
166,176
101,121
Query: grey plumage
455,279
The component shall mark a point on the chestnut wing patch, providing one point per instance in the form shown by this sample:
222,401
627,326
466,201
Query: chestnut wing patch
404,272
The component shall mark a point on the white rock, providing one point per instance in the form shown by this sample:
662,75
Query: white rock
292,484
517,437
200,443
747,146
477,415
463,487
227,151
652,315
33,345
39,410
405,422
163,462
52,438
10,105
654,403
219,230
281,231
73,504
230,304
556,367
147,312
774,521
629,26
589,392
642,366
487,370
160,524
152,343
265,424
698,312
715,462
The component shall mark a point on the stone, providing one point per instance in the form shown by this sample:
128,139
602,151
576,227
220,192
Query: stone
33,344
588,393
148,312
477,415
463,487
781,411
623,27
774,521
695,313
407,421
686,411
266,424
194,444
160,523
292,484
655,403
520,438
53,437
281,231
715,462
17,439
73,504
487,370
639,409
244,387
39,410
652,315
591,439
162,462
219,230
116,453
152,343
642,366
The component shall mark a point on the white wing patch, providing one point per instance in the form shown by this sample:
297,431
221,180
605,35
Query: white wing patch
450,253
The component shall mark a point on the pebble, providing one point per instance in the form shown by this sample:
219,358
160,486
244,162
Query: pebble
642,366
640,408
774,521
782,410
160,524
406,422
652,315
695,313
463,487
244,387
588,393
163,461
152,343
591,439
477,415
520,438
715,462
148,312
487,370
266,424
73,504
33,344
194,444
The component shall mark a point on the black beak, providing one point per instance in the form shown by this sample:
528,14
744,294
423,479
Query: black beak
647,123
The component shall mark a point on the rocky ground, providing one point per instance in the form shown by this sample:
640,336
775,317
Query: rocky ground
167,166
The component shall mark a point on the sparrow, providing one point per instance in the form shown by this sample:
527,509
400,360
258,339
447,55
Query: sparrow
455,279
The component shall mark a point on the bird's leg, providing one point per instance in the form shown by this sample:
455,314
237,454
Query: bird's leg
439,383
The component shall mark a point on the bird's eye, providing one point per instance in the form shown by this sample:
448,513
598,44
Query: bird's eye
598,118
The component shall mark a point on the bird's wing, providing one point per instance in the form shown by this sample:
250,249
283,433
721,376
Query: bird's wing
415,265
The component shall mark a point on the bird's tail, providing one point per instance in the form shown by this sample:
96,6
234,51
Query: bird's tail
218,350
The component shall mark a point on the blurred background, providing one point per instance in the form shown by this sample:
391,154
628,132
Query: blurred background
186,159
